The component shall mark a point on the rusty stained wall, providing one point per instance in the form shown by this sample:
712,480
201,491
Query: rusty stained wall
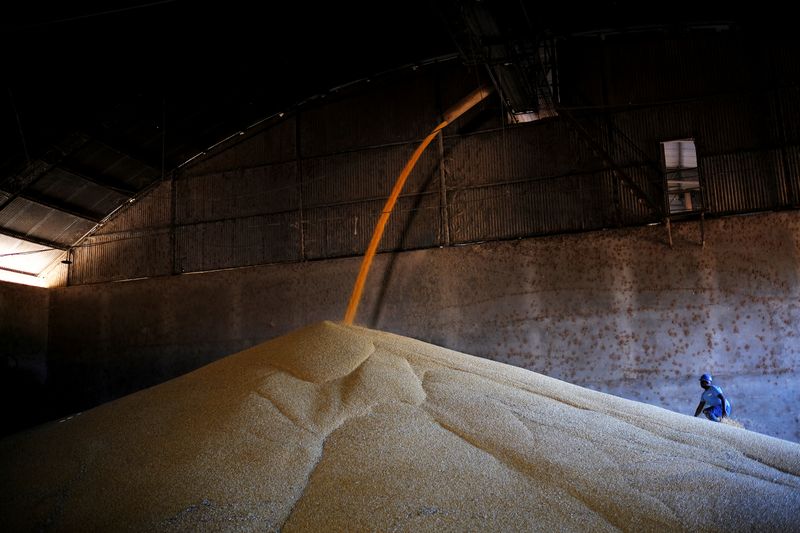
616,310
621,312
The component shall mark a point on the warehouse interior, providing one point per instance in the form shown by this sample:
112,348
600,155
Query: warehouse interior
618,211
74,171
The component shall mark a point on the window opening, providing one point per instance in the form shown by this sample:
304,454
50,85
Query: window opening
682,176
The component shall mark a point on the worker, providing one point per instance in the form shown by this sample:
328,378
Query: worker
712,402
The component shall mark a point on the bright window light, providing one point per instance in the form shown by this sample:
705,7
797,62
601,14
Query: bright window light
683,181
23,261
525,116
23,279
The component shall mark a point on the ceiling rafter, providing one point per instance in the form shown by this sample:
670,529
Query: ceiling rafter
125,148
77,169
60,205
35,240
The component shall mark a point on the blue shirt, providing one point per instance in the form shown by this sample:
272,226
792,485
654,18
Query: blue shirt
711,397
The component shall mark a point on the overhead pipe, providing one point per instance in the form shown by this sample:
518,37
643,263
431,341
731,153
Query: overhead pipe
461,107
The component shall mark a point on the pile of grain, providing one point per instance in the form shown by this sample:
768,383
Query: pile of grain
337,427
732,422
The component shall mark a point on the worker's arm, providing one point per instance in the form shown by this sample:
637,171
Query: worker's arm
699,407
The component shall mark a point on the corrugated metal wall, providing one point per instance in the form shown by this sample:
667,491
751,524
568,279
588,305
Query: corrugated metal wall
233,242
153,210
642,69
133,244
241,217
791,162
312,185
736,97
742,181
397,109
118,257
254,151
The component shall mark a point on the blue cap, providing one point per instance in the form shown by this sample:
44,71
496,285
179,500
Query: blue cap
706,377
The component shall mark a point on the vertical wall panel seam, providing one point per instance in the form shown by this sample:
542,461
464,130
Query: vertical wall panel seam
173,197
299,166
444,224
778,119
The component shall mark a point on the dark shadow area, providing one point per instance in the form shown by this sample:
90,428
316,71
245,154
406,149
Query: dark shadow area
26,400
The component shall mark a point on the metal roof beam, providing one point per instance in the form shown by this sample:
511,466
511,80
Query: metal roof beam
15,271
35,240
122,147
59,205
108,183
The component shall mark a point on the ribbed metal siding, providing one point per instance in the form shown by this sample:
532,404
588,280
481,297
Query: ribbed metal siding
518,181
238,193
531,151
367,174
151,210
275,144
593,197
656,69
741,182
397,110
631,168
792,175
523,209
739,122
118,257
346,230
527,181
604,201
414,223
642,131
610,203
787,110
339,230
633,209
268,238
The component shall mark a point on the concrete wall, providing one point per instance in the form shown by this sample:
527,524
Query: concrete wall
23,355
617,311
